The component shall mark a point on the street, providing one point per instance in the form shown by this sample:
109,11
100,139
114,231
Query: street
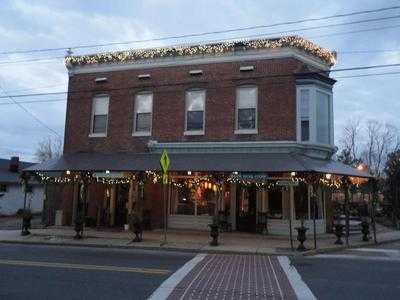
82,273
49,272
365,273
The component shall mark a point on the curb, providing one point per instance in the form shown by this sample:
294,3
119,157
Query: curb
340,248
139,247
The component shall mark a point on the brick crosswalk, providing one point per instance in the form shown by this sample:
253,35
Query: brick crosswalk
235,277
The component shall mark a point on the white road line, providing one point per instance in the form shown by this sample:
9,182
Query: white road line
299,286
166,288
386,251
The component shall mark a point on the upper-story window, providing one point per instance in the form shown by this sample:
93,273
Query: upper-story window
195,104
323,118
99,116
305,114
143,113
246,109
314,114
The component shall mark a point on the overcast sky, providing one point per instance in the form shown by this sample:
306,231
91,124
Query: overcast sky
53,24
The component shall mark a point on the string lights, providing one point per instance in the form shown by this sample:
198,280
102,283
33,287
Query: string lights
203,49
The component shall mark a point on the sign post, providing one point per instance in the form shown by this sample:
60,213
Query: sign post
164,163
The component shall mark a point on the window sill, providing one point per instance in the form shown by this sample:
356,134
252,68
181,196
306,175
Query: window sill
246,131
194,132
96,135
141,133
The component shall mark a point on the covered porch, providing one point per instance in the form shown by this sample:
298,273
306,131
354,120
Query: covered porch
266,193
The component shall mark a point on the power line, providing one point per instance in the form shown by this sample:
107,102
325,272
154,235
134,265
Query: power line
181,83
243,37
368,75
30,113
203,33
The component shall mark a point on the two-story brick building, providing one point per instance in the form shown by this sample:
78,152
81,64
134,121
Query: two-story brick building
238,119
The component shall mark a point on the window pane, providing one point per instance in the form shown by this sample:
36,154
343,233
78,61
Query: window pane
305,130
100,105
144,103
143,122
194,120
247,97
304,103
99,123
195,100
323,118
247,118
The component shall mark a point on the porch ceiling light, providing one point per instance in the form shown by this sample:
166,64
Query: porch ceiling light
292,174
189,172
328,176
360,167
68,172
107,172
235,173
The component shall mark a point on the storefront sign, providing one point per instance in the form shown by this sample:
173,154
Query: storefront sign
109,174
287,183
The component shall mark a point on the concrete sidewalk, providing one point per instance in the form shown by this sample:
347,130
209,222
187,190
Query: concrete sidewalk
185,240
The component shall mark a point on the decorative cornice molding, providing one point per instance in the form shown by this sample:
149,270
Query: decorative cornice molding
195,54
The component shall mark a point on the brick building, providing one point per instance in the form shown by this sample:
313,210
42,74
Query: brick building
243,124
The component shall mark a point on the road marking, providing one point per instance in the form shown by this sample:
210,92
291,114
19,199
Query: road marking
166,288
299,286
386,251
353,256
27,263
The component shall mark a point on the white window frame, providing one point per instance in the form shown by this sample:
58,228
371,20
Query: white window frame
245,131
142,133
100,134
313,88
195,132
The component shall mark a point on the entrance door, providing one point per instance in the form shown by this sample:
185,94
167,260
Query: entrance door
246,209
120,209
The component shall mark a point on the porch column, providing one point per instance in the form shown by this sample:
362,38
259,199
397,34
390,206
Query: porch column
129,204
233,205
292,204
113,199
75,194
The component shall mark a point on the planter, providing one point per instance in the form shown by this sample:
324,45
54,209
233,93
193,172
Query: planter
214,233
301,237
339,233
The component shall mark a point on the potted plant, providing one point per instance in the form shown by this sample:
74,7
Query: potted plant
301,235
214,232
135,225
26,221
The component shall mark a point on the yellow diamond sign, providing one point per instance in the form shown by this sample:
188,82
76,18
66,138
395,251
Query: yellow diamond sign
164,161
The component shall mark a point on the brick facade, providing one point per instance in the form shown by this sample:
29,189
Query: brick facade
276,104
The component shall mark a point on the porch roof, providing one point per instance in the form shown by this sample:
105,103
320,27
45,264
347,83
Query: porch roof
207,162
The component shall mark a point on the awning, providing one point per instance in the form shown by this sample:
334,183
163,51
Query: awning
206,162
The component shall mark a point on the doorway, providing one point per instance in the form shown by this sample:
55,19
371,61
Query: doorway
246,203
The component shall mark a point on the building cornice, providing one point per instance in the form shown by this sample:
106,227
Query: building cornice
295,47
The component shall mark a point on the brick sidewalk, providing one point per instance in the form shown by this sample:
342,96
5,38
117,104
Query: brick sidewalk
235,277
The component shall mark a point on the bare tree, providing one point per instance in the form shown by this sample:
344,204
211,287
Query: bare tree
350,140
381,139
49,148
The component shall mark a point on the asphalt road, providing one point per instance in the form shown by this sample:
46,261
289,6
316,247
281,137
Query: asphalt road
368,273
54,272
